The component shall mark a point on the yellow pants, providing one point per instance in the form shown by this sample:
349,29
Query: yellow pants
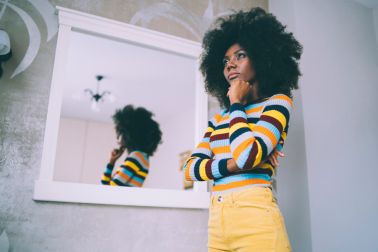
246,221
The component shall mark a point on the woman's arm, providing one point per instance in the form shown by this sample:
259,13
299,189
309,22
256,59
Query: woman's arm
107,175
250,147
201,166
132,173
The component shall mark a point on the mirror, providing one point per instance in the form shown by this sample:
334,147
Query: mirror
159,81
128,65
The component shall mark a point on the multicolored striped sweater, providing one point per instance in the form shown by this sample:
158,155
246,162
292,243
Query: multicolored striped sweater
248,134
132,172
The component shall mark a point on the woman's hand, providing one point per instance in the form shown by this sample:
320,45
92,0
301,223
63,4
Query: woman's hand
239,91
116,153
273,157
232,166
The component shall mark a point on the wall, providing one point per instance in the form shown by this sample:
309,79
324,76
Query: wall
69,155
167,164
375,19
339,88
37,226
79,156
292,175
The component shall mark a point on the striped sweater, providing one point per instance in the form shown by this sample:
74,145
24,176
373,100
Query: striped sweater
132,172
248,134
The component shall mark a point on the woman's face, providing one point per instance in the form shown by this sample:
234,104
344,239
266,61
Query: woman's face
237,65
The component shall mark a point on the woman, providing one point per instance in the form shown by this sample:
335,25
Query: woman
250,64
140,135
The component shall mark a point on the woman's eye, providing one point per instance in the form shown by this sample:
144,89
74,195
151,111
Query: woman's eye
241,55
225,61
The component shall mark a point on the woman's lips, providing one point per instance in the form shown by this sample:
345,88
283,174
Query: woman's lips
233,76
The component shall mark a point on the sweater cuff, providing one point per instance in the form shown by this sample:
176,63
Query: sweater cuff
223,167
109,168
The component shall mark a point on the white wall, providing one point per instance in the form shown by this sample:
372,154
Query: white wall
292,181
71,143
339,88
83,150
178,136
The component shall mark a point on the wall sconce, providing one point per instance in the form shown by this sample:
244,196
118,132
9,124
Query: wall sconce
96,96
5,49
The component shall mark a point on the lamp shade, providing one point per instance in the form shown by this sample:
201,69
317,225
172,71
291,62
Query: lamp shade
4,43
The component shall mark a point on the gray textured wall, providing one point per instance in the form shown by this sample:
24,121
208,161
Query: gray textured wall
36,226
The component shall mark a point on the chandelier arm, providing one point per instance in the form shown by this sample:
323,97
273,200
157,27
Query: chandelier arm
89,91
106,92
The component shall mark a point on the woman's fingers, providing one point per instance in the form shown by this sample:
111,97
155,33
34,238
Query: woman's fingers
275,155
280,153
275,161
238,91
273,158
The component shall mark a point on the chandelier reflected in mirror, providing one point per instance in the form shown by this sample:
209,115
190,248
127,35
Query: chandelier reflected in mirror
97,96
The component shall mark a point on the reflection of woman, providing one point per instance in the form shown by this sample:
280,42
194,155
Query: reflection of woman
250,65
140,135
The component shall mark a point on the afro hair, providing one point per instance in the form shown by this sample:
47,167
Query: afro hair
137,129
273,51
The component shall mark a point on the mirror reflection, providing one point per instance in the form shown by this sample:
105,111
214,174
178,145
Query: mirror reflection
105,75
139,135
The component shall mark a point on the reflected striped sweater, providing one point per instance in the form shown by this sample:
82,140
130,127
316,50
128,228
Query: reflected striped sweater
248,134
132,172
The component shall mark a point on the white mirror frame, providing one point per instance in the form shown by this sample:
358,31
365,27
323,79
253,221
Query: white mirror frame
46,189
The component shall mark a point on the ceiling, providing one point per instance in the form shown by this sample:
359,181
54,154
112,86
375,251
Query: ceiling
160,81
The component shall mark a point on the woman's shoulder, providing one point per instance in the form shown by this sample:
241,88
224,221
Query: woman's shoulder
138,154
218,117
280,99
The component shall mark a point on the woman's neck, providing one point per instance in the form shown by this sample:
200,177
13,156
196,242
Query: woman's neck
254,94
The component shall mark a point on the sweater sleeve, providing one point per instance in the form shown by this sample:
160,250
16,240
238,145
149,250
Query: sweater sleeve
107,175
250,147
131,173
281,142
201,165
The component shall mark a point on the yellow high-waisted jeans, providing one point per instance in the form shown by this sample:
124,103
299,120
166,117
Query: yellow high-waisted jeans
246,221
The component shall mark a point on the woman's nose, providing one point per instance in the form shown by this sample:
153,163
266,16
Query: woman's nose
230,64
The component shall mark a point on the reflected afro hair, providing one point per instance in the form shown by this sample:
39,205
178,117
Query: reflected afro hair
137,129
274,53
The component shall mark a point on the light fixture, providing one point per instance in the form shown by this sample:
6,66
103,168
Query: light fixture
96,96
